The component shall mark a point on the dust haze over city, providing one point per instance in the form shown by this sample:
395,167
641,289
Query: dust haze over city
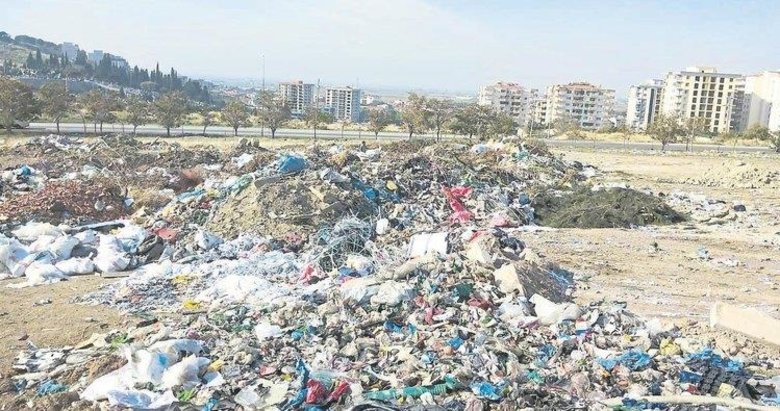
406,205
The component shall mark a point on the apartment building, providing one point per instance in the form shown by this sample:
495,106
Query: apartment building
762,97
539,115
644,101
703,92
509,98
586,104
298,95
69,50
343,103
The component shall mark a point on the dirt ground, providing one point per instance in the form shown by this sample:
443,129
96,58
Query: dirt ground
670,280
23,319
655,270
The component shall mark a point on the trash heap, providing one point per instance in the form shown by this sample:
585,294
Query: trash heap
369,280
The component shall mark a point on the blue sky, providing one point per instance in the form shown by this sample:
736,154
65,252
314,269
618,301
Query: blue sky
436,44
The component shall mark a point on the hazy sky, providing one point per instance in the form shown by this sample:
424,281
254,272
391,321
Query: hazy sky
436,44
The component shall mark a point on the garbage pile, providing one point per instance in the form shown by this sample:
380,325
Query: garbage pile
385,279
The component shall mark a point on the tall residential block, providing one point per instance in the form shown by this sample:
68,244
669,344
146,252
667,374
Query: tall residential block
644,100
588,105
344,103
762,95
298,95
702,92
70,50
510,98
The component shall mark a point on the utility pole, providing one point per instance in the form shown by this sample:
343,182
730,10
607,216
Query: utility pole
262,124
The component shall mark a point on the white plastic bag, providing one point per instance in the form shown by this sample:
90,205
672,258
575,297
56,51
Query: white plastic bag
393,293
76,266
32,230
206,240
41,243
43,273
110,257
12,253
117,380
62,247
185,373
266,331
88,237
149,366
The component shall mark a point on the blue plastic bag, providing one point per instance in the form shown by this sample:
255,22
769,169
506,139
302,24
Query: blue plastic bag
292,164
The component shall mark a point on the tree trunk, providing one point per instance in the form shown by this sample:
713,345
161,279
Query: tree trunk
315,133
273,133
168,131
94,127
204,131
83,121
101,127
235,131
58,126
376,135
134,127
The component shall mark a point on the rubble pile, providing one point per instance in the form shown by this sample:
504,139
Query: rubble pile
332,278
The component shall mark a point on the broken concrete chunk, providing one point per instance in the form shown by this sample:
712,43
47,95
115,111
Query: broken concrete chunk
747,321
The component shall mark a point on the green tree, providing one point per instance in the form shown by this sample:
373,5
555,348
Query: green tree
694,126
377,121
99,105
502,125
55,101
414,115
757,132
272,111
207,118
235,115
471,120
314,117
137,112
665,129
17,102
169,110
439,113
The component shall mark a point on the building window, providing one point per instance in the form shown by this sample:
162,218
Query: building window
697,78
695,92
694,100
717,108
720,87
720,94
722,80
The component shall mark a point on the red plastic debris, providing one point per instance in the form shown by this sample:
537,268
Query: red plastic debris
316,392
338,391
454,194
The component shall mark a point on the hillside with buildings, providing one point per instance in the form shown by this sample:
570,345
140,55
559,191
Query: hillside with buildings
36,59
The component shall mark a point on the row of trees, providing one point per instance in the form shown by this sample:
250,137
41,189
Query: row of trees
418,116
668,129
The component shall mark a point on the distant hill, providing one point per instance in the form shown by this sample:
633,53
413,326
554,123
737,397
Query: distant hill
30,57
16,49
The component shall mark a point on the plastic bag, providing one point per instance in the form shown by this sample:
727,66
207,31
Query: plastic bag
140,399
12,253
76,266
266,331
62,247
149,366
88,237
43,273
393,293
185,373
120,379
206,240
32,230
292,164
110,257
172,348
41,243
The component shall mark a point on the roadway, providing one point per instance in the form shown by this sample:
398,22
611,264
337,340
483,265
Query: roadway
222,131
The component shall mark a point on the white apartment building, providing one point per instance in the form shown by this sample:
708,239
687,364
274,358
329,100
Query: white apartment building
588,105
644,101
509,98
704,93
70,50
298,95
762,98
344,103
